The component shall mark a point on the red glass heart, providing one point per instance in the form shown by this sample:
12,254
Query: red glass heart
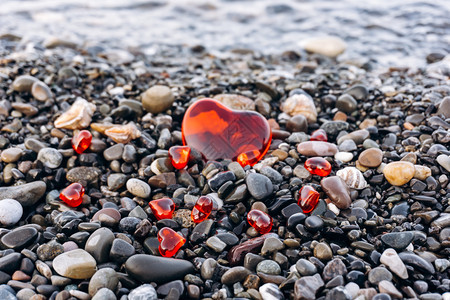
169,242
221,133
308,198
179,155
318,166
162,208
73,194
259,220
319,135
202,209
81,141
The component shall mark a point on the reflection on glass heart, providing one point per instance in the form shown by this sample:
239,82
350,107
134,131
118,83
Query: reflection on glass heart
162,208
169,242
73,194
221,133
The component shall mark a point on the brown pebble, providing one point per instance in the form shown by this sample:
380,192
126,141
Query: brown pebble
337,190
340,116
20,276
317,148
399,172
371,157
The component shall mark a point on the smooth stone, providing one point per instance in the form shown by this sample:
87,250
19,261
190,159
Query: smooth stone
417,262
305,267
23,83
444,161
379,274
235,274
399,172
386,286
149,268
7,293
99,244
347,146
10,263
271,245
19,238
300,104
330,46
41,91
219,179
323,252
50,157
333,128
121,250
371,157
103,278
11,155
422,172
358,136
398,240
333,269
116,181
297,123
107,216
391,259
10,212
237,169
216,244
75,264
270,291
346,103
104,294
337,190
157,99
268,267
345,157
207,269
444,108
83,174
114,152
26,194
138,188
358,91
143,292
317,148
259,186
306,287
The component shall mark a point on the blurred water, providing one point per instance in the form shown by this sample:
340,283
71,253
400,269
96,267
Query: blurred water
394,32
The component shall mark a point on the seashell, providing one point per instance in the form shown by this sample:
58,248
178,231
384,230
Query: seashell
352,177
78,116
300,104
118,133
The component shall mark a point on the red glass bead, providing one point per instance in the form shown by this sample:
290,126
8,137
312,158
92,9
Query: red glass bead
221,133
162,208
179,155
259,220
318,166
73,194
308,198
169,242
248,158
319,135
202,209
81,141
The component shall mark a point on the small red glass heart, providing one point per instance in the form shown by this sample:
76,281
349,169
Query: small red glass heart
221,133
169,242
308,198
259,220
162,208
202,209
319,135
179,155
81,141
73,194
318,166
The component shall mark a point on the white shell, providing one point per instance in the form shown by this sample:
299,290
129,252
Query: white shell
300,104
78,116
352,177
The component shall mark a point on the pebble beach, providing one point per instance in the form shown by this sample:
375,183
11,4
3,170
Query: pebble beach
380,229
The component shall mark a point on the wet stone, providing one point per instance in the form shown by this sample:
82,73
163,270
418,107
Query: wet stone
19,238
305,267
376,275
398,240
334,268
99,244
233,275
337,190
75,264
259,186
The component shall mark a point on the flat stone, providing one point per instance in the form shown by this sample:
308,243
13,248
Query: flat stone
305,267
417,262
371,157
10,262
317,148
121,250
103,278
50,157
259,186
99,244
26,194
11,155
306,287
19,238
75,264
138,188
235,274
386,286
334,268
399,172
331,46
216,244
157,99
337,190
268,267
391,259
83,174
149,268
398,240
323,252
378,274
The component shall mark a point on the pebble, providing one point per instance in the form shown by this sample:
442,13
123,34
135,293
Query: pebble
11,155
19,238
398,240
444,161
352,177
337,190
259,186
270,291
75,264
116,181
422,172
23,83
145,291
216,244
103,278
207,269
444,108
399,172
323,252
331,46
114,152
387,287
300,104
83,174
317,148
149,268
333,128
157,99
379,274
121,250
417,262
333,269
99,244
305,267
268,267
138,188
346,103
306,287
49,250
271,245
371,157
10,212
235,274
50,157
104,294
391,259
345,157
297,123
41,91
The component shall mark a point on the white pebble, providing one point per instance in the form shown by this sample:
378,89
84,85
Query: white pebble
345,157
10,212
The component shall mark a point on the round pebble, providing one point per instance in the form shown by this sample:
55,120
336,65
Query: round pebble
10,212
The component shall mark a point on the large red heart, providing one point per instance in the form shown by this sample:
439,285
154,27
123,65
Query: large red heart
170,242
221,133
